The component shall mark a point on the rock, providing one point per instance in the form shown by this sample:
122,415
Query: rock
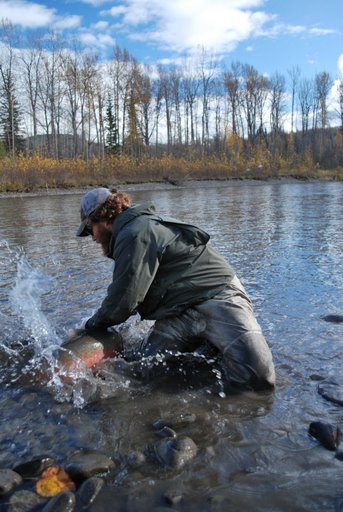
173,496
24,501
89,490
174,421
336,319
328,435
166,432
62,502
83,465
316,377
176,452
8,480
339,455
136,459
332,390
34,467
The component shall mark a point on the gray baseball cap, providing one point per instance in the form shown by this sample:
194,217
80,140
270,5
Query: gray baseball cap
89,203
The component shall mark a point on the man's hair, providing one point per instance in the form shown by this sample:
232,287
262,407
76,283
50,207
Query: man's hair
116,203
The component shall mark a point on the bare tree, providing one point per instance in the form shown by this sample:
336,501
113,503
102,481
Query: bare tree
232,83
277,102
294,75
305,96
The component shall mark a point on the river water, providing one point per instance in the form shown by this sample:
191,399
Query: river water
254,452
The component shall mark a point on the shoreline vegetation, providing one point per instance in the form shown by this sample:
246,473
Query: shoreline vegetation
35,173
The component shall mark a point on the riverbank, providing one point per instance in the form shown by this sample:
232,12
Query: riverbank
37,174
158,185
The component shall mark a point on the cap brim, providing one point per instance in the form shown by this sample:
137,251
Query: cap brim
83,229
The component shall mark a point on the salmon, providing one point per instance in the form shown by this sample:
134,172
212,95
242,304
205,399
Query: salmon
91,348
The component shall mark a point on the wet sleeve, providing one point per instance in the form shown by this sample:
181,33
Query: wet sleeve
137,260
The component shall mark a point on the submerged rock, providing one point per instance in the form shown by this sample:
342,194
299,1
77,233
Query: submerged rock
34,467
332,390
24,501
83,465
166,432
328,435
8,480
175,452
89,490
62,502
136,459
336,319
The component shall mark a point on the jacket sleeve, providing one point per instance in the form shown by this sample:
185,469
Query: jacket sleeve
137,260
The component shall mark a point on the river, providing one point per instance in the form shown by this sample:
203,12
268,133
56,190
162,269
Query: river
284,240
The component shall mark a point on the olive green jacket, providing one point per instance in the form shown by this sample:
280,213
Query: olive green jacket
162,266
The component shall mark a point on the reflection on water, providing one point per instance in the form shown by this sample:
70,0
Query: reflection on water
254,453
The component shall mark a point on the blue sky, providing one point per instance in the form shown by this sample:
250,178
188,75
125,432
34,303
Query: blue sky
272,35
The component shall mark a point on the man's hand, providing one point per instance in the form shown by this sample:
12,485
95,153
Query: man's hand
80,329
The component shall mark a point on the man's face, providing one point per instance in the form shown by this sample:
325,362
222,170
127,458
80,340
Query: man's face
101,234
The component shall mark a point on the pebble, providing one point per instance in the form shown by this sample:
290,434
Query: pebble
176,453
83,465
24,501
173,496
336,319
34,467
166,432
9,479
328,435
136,459
62,502
89,490
332,390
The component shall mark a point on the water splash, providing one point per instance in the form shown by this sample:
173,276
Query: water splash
25,298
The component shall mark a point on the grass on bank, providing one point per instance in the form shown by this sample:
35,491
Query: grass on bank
34,173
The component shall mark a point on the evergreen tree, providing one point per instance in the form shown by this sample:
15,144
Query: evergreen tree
10,115
112,138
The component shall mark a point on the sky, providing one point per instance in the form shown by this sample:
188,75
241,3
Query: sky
272,35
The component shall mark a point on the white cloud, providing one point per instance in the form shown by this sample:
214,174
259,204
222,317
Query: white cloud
101,25
68,22
187,24
295,30
26,14
98,40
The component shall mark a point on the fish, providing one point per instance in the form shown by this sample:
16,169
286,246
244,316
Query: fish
328,435
90,347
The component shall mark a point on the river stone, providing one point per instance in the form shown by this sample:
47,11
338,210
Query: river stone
24,501
136,459
83,465
166,432
89,490
173,496
62,502
8,480
34,467
328,435
336,319
332,390
175,453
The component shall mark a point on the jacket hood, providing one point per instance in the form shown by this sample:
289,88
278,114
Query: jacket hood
131,213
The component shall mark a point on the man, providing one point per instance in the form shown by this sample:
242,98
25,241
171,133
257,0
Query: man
167,271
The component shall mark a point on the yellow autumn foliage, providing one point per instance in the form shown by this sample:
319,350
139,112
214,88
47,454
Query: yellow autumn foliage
53,481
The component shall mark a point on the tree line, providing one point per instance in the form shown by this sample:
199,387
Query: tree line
64,102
